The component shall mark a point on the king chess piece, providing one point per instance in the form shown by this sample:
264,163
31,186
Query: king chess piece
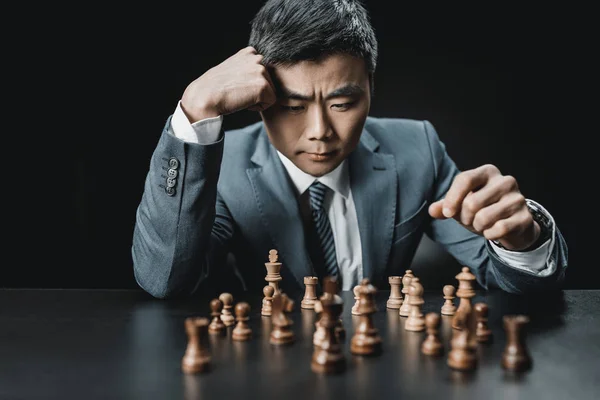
273,271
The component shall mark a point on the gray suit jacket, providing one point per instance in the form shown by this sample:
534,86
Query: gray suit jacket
235,196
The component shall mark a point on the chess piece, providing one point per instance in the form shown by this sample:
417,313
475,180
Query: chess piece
415,321
366,340
432,345
328,356
319,333
461,356
515,356
465,292
310,294
395,299
267,302
216,327
483,332
356,300
197,356
273,271
282,325
242,331
448,308
226,314
330,291
405,307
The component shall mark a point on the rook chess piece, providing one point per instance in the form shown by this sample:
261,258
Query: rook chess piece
226,314
310,293
242,331
273,271
515,356
405,307
216,327
328,356
366,340
356,300
282,325
197,356
483,333
267,302
448,308
415,321
395,299
432,345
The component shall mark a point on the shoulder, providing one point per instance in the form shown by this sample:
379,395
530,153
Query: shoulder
410,137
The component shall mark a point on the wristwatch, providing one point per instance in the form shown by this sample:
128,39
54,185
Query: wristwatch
545,227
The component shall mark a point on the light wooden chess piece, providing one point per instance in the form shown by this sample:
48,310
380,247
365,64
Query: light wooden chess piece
366,340
226,314
282,325
328,356
395,300
415,321
515,356
405,307
465,292
267,302
448,308
197,356
216,327
310,293
432,345
356,300
483,333
273,271
242,331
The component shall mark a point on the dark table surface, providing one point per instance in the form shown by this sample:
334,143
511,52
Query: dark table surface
112,344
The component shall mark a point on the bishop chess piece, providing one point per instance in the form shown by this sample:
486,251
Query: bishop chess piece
366,340
448,308
405,307
432,345
328,356
216,327
273,271
415,321
197,356
515,356
242,331
267,302
483,332
395,300
282,325
465,292
310,293
356,300
226,314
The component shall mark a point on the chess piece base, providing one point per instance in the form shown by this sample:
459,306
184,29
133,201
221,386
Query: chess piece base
515,362
282,337
241,335
365,345
431,348
414,325
193,365
462,360
327,363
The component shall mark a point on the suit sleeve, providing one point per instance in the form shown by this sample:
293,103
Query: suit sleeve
474,251
183,228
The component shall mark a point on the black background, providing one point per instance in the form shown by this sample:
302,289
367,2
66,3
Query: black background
497,83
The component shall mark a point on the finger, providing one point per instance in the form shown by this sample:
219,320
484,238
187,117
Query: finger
487,195
435,209
508,205
515,224
463,183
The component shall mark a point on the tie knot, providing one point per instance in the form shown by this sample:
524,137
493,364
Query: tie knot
317,194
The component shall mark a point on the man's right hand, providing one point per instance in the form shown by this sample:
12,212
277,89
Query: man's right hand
240,82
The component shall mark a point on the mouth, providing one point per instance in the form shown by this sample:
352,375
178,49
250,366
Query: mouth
321,156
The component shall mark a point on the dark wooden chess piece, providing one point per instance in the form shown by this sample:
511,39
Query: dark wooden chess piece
483,333
366,340
465,292
461,356
242,331
267,302
515,356
197,356
226,314
432,345
282,325
310,293
216,327
328,356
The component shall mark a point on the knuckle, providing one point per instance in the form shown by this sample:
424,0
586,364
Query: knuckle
463,179
502,227
509,181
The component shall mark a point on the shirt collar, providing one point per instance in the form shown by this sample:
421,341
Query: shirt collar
337,180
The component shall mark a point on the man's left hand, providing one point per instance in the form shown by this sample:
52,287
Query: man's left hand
490,204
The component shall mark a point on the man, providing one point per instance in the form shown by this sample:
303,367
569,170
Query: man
334,191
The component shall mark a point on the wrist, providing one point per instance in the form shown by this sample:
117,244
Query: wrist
197,113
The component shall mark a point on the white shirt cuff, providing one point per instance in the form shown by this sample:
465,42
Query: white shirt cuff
537,261
205,131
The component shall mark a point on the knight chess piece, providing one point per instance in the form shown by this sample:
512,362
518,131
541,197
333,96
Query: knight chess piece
282,332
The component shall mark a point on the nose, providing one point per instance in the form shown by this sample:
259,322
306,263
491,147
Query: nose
318,126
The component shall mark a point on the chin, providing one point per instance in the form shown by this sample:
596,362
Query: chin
318,169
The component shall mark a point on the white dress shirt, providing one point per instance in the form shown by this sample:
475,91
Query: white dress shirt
342,211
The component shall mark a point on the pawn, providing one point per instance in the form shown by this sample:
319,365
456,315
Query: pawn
197,357
242,331
226,314
448,308
216,326
483,333
515,356
415,321
395,300
282,325
267,302
405,307
461,356
310,294
432,345
356,300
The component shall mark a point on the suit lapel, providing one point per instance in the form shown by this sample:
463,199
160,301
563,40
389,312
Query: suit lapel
373,180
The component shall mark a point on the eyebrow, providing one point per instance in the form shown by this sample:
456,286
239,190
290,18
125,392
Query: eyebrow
344,91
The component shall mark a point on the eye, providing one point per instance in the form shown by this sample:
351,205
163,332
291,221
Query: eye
342,106
292,108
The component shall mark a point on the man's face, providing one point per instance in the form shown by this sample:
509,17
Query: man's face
320,111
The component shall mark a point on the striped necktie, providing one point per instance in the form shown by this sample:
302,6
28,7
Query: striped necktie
317,194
